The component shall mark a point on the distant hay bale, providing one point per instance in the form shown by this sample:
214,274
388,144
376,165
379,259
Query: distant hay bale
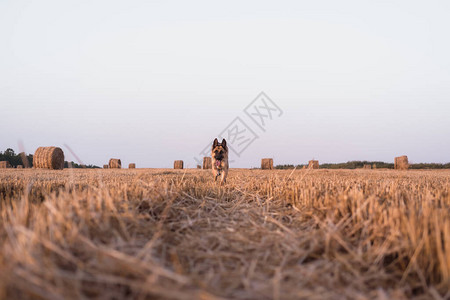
132,166
374,166
401,163
105,166
48,158
313,164
207,163
199,167
115,163
267,164
4,165
178,164
367,166
19,167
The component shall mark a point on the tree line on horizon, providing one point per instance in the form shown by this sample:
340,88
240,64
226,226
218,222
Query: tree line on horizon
16,159
357,164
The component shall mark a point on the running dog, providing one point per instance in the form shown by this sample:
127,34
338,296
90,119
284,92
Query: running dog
219,154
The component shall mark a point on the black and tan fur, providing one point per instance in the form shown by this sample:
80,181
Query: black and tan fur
219,155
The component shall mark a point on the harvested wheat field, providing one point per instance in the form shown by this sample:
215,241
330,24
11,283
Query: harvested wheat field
174,234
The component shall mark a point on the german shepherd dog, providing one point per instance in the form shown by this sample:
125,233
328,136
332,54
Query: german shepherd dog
219,154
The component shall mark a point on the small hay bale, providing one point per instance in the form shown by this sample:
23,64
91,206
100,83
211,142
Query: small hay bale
48,158
105,166
401,163
374,166
267,164
19,167
313,164
4,165
178,164
132,166
199,167
367,166
207,163
115,163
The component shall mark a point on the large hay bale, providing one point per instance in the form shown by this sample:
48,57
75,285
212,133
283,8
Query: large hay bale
267,164
401,163
178,164
207,163
132,166
105,166
19,167
313,164
48,158
367,166
115,163
4,165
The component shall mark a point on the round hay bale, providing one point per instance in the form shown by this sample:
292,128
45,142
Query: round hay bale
105,166
207,163
313,164
132,166
178,164
19,167
115,163
401,163
367,166
48,158
5,165
199,167
267,164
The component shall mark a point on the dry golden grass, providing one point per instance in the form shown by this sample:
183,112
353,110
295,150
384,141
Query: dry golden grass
174,234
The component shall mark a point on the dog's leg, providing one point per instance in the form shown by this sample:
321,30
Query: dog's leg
216,175
223,178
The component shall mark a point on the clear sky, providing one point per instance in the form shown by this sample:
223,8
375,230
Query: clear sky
154,81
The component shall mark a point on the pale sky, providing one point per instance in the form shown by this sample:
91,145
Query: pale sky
150,82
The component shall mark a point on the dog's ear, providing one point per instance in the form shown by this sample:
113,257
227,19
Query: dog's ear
224,144
215,143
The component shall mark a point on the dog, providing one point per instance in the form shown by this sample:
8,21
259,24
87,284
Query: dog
219,154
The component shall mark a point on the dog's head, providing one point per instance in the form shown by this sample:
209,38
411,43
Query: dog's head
219,151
